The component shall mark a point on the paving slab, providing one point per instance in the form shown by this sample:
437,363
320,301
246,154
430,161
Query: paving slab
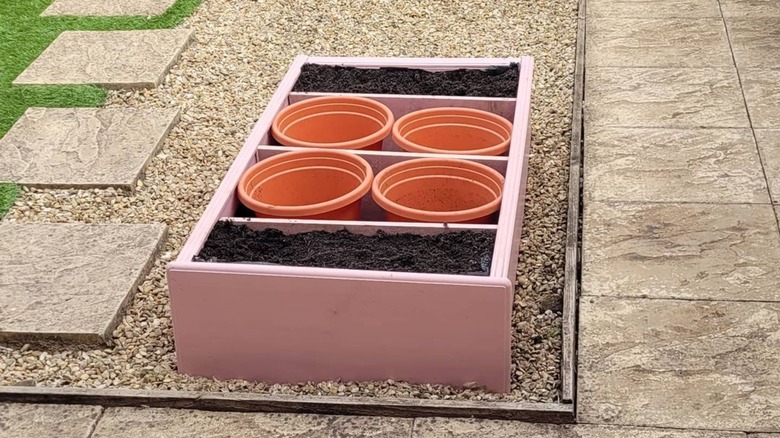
755,41
673,165
657,42
113,59
680,364
473,428
664,98
763,96
83,147
687,251
769,145
654,8
70,282
179,423
108,8
750,8
61,421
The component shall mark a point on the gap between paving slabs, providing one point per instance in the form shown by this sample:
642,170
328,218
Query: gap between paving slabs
24,35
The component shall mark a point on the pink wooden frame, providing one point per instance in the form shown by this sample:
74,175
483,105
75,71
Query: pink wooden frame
294,324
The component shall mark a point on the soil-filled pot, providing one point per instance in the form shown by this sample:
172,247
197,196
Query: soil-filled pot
438,190
337,122
307,184
452,130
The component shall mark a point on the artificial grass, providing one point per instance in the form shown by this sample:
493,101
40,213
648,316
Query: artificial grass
24,34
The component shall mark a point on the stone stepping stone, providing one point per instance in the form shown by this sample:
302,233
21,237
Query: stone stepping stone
83,147
108,8
35,420
114,59
70,282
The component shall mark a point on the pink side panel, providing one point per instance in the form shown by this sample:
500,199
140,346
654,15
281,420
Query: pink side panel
431,64
289,329
511,218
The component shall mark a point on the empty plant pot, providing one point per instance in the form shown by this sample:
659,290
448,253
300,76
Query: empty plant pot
438,190
337,122
453,131
307,184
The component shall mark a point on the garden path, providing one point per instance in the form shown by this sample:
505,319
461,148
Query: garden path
680,305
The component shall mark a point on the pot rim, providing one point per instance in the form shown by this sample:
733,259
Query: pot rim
359,143
439,216
411,146
310,209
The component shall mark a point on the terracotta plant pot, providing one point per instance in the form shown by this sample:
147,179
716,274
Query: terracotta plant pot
337,122
307,184
451,130
438,190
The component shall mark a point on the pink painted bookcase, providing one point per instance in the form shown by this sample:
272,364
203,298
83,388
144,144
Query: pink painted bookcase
295,324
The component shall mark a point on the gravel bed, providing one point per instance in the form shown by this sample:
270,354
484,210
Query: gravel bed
222,84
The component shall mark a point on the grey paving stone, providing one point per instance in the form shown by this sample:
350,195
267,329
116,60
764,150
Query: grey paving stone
175,423
680,364
664,98
70,282
689,251
673,165
750,8
769,144
106,8
471,428
762,94
113,59
83,147
657,42
654,8
61,421
755,41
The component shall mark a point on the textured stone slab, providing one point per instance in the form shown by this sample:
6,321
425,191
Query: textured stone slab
657,42
176,423
114,59
61,421
691,251
681,364
471,428
755,41
654,8
664,97
750,8
673,165
107,8
769,145
762,94
83,147
70,281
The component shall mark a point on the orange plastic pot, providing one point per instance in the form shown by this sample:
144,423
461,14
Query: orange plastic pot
307,184
438,190
453,131
334,122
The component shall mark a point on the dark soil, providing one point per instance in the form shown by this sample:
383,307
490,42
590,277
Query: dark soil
494,82
458,252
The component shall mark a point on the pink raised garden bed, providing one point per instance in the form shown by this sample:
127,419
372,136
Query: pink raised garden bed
292,324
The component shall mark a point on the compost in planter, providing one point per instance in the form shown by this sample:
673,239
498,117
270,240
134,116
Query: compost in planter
492,82
457,252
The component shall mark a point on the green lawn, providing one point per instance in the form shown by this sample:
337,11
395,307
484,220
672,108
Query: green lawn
24,35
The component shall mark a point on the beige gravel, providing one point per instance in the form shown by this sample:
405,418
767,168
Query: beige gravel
222,84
